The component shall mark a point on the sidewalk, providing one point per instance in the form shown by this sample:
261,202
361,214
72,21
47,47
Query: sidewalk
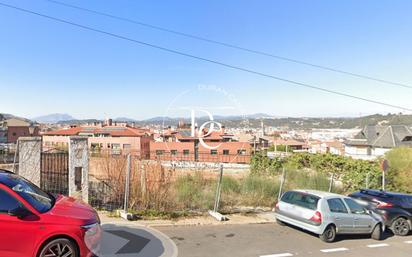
234,219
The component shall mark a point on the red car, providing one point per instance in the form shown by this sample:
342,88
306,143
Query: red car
36,224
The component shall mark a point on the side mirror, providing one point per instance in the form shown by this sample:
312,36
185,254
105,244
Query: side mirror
19,212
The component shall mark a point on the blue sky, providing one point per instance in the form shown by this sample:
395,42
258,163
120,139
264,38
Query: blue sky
48,67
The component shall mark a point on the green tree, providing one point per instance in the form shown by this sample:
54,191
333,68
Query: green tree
399,174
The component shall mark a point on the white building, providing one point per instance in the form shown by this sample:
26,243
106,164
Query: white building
375,141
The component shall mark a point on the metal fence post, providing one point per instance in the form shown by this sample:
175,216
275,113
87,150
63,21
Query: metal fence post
15,155
143,183
282,181
127,184
331,182
218,190
367,180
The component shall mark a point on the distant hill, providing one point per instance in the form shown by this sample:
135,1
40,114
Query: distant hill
252,121
6,116
54,118
124,119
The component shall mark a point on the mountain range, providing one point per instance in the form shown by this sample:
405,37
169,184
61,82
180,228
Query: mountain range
252,121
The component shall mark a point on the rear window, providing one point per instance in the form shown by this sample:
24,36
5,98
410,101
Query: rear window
301,199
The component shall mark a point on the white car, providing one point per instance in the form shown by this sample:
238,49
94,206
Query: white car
327,214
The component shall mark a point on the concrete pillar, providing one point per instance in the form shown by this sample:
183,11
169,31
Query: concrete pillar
79,168
30,158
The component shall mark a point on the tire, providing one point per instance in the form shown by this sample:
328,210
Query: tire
59,247
329,235
377,232
400,227
281,223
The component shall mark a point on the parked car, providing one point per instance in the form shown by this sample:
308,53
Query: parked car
395,208
36,224
327,214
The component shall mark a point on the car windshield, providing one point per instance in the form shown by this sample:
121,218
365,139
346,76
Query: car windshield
38,199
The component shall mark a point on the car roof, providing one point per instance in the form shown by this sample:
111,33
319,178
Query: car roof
381,193
320,194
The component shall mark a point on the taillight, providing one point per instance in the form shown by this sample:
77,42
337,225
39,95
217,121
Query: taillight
317,217
384,205
277,205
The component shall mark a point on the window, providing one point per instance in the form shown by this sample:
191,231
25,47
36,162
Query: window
186,152
337,205
159,152
173,152
78,171
241,152
40,201
14,134
213,152
225,152
301,199
7,202
127,146
354,206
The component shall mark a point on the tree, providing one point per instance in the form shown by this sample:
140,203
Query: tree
399,174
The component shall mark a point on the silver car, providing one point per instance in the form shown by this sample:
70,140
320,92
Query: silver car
327,214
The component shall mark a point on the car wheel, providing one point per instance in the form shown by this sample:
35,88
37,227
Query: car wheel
329,234
59,248
400,227
377,232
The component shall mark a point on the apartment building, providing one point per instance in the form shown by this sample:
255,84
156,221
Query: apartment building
217,146
103,138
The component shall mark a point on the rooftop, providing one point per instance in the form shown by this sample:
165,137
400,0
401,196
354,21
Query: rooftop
114,131
383,136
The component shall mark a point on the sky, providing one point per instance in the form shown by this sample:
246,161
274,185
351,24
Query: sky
49,67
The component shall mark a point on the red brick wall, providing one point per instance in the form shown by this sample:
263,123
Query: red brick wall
205,154
13,133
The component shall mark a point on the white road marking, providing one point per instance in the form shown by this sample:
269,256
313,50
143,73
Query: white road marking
408,242
278,255
333,250
377,245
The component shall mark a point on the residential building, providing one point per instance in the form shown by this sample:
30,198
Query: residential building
12,129
108,138
290,144
375,141
217,146
332,146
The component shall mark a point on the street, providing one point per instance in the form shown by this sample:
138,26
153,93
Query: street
273,240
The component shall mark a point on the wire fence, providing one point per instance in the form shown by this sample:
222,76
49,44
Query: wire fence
241,157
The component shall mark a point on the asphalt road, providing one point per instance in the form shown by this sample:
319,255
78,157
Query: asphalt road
273,240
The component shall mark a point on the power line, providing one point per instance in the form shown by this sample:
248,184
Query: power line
295,83
258,52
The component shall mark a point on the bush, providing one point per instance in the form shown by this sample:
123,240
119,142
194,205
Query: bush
230,185
302,179
399,174
194,192
259,190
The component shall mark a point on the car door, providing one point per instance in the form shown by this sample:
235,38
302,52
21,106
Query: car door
341,216
17,235
363,222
